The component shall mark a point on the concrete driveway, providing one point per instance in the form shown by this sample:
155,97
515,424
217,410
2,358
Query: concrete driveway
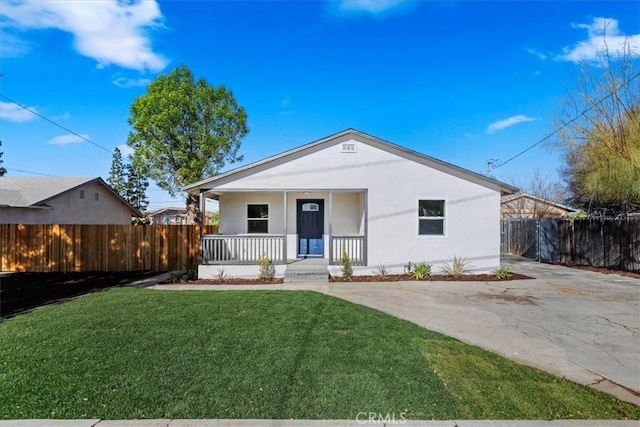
577,324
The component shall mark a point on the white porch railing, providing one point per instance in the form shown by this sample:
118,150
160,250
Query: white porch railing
220,249
355,246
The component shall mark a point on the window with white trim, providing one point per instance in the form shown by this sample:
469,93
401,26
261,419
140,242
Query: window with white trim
431,217
258,218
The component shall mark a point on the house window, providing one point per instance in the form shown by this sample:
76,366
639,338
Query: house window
97,197
431,217
258,218
82,194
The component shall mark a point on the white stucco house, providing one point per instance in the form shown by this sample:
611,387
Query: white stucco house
381,203
65,200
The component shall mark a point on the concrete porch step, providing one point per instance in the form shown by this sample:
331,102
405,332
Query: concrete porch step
307,271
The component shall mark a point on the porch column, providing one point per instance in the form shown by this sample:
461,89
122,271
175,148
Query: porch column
330,226
286,216
203,209
366,226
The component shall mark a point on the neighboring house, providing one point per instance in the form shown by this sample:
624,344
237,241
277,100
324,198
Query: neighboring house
62,201
168,216
380,203
524,205
174,216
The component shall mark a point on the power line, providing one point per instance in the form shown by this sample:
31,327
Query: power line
31,172
56,124
496,163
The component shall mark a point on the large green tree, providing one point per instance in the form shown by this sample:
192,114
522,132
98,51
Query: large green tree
183,131
600,132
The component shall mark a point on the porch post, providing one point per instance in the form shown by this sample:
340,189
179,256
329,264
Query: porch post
366,226
203,203
203,209
330,227
286,216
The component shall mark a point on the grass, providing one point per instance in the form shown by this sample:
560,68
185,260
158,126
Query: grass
132,353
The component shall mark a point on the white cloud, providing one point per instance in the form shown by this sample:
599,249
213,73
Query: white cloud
125,82
369,6
537,53
67,139
14,113
125,150
603,33
110,31
508,122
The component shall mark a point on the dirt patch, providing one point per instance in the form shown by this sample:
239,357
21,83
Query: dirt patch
507,298
603,270
433,278
24,291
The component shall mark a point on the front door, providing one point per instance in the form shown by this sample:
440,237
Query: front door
310,227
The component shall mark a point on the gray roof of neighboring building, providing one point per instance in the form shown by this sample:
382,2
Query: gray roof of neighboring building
521,194
25,192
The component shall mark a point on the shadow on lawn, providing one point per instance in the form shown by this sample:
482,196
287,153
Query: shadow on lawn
24,291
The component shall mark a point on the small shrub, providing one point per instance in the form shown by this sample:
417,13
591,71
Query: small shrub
502,273
191,270
347,270
458,268
221,275
421,271
381,271
267,270
177,277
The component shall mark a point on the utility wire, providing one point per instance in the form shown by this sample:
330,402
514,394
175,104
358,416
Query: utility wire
56,124
31,172
600,101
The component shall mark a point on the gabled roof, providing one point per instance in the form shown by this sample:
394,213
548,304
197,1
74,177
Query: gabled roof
367,139
34,192
519,195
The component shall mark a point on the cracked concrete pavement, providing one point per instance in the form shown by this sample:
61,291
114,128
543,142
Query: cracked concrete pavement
581,325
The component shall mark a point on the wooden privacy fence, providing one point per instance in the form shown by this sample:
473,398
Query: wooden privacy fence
595,242
48,248
600,243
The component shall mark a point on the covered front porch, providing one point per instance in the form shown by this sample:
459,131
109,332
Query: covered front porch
286,226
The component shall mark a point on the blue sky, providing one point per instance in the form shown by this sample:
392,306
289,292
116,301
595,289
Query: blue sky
462,81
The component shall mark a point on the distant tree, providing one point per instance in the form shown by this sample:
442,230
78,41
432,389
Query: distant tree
135,191
3,171
184,131
600,135
117,179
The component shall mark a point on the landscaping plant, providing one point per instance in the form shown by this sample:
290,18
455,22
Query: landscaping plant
382,271
267,270
421,271
221,275
458,268
347,270
502,273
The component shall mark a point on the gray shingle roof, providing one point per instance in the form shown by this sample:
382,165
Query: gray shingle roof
33,191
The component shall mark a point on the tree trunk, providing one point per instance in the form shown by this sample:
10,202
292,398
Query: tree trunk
193,209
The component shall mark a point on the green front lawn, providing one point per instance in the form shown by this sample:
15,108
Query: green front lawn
131,353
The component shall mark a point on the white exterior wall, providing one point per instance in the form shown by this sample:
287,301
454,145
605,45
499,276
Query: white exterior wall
394,186
69,208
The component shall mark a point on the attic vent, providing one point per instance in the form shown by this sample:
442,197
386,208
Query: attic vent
349,147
